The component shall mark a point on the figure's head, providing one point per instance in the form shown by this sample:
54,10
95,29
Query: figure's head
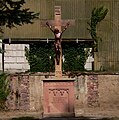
56,30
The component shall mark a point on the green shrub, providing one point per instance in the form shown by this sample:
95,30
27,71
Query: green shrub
4,90
41,57
98,14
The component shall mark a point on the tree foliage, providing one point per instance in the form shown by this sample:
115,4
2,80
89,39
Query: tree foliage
12,13
98,14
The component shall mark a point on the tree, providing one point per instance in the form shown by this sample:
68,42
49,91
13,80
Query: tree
12,14
98,14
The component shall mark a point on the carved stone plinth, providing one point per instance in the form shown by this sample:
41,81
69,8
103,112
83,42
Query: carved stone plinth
58,97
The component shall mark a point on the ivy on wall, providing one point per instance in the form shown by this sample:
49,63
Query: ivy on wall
74,55
41,57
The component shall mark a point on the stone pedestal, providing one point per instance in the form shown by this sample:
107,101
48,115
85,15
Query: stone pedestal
58,97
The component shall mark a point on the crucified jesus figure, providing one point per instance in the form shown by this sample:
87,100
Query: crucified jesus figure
57,42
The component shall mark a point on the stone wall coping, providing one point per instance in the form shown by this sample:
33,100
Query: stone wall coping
69,74
97,73
61,79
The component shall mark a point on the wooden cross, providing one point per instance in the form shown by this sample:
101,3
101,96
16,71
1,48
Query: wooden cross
58,24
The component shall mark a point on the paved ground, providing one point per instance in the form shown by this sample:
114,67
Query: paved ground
16,115
78,118
60,118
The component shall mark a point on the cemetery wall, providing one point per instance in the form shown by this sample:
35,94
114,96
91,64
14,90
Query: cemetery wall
97,94
94,93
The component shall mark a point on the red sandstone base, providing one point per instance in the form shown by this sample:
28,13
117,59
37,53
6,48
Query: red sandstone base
58,97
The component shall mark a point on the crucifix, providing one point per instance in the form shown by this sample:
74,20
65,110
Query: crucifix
56,27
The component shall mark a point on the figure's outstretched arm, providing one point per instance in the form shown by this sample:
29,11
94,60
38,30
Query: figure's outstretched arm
65,27
49,26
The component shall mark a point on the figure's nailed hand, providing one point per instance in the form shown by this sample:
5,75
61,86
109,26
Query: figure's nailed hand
68,23
47,23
